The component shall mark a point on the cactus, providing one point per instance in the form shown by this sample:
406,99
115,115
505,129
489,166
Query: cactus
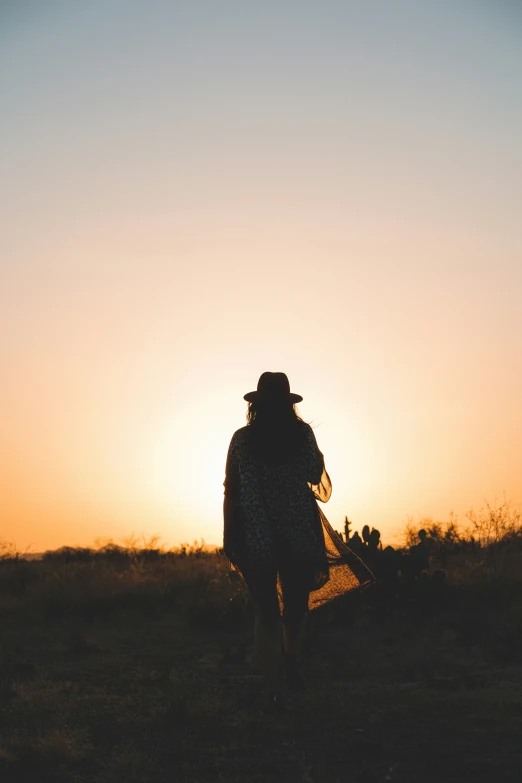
356,543
347,524
374,538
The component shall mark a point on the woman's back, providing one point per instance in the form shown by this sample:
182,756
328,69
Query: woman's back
277,504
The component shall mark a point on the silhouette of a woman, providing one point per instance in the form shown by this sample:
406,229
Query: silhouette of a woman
272,525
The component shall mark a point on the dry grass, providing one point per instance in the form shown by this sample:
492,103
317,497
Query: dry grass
137,665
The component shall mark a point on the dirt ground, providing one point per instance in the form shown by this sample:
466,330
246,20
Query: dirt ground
159,695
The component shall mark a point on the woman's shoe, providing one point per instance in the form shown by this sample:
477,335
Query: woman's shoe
294,677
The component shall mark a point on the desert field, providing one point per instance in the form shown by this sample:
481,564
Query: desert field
137,664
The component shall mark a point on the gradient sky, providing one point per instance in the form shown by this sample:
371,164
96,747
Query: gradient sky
195,192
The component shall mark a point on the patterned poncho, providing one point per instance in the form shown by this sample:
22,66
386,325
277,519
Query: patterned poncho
274,517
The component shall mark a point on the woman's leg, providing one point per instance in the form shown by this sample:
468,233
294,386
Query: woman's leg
294,634
296,590
267,637
295,583
267,628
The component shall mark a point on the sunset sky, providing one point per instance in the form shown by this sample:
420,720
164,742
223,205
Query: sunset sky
196,192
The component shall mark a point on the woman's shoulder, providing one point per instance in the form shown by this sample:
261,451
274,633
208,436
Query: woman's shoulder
309,436
239,442
307,429
240,435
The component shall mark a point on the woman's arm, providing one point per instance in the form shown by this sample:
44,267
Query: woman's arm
318,478
231,503
315,458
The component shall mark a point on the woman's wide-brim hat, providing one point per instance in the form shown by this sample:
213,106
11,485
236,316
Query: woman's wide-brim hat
275,387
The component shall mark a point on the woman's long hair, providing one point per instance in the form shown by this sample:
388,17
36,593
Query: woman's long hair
276,430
